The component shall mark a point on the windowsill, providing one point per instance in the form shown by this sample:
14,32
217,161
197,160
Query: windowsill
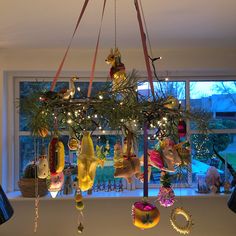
179,192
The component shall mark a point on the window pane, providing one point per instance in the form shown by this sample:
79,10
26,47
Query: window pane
82,88
164,89
28,145
27,88
106,174
217,98
204,156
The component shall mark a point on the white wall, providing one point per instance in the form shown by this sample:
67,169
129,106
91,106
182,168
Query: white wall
112,217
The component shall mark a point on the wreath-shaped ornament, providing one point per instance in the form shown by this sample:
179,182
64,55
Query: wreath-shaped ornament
189,223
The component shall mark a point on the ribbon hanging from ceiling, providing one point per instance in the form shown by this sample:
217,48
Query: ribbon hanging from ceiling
67,50
95,54
150,79
145,51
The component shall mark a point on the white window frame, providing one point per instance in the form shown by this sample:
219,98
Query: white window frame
11,117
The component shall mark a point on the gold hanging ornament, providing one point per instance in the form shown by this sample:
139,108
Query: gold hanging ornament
87,163
186,229
73,144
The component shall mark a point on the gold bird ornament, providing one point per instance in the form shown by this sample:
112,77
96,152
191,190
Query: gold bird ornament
87,163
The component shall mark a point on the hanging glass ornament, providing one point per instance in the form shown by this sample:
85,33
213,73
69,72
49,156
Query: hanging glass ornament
56,155
80,207
182,130
55,183
118,155
171,103
145,215
166,196
43,132
73,144
87,163
42,167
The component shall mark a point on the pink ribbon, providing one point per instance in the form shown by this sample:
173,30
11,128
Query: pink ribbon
145,51
95,54
67,50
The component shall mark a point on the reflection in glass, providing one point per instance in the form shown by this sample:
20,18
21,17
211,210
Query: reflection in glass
218,98
204,156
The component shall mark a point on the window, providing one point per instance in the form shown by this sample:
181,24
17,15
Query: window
217,97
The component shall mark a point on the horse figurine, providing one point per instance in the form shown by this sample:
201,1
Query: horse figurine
117,71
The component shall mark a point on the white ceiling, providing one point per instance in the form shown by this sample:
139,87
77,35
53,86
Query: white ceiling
171,23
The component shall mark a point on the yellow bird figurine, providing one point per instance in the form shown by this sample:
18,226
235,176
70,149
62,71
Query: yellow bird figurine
87,163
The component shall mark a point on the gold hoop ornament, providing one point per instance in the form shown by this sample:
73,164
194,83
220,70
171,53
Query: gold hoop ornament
189,223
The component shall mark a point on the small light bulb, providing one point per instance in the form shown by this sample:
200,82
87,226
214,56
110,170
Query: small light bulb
69,121
89,117
69,113
95,116
103,131
100,127
100,97
78,89
166,79
121,120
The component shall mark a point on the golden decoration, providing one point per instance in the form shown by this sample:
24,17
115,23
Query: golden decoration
189,223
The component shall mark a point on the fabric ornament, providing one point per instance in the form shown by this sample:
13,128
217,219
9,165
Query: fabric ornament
169,154
130,167
87,163
156,159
